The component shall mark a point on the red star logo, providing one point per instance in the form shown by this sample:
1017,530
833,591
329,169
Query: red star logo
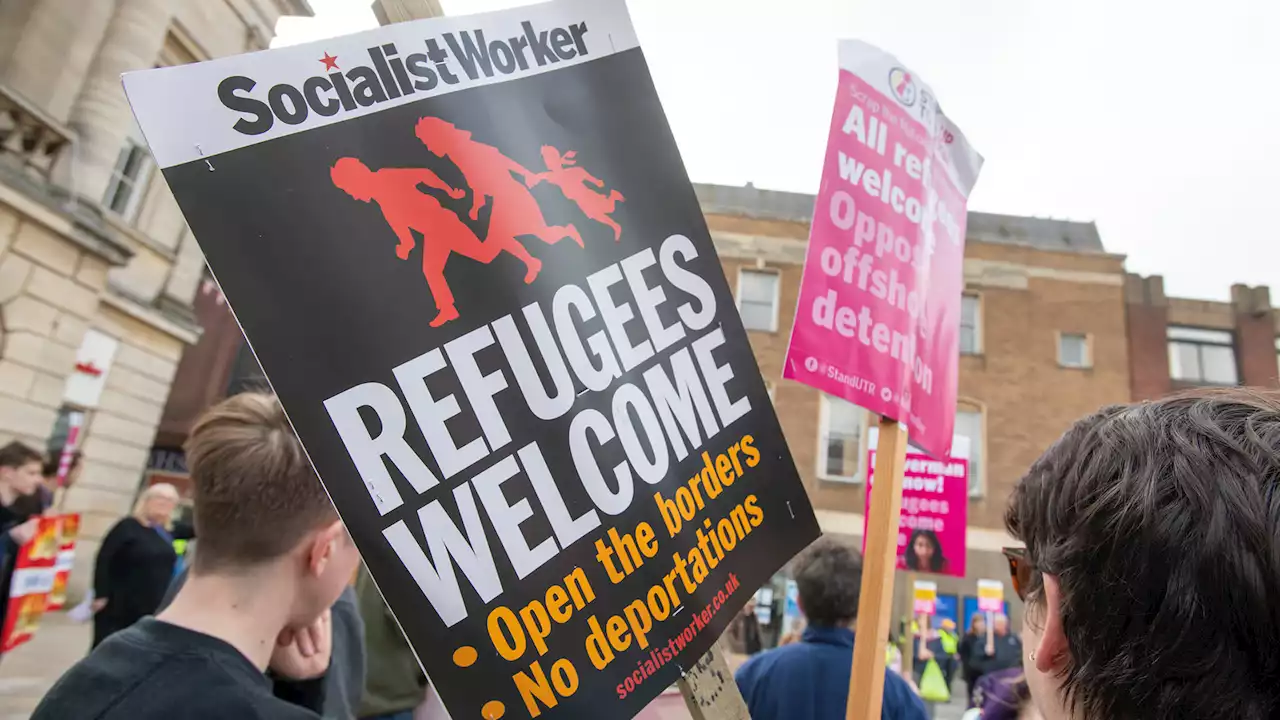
330,62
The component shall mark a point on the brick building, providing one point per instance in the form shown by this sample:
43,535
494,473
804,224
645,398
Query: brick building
1043,342
1175,343
98,271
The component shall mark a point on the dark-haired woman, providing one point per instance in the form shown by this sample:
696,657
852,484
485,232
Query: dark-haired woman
924,552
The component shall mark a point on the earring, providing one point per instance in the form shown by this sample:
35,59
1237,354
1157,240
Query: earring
1033,656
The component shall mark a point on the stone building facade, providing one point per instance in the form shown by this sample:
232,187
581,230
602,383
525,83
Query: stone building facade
98,271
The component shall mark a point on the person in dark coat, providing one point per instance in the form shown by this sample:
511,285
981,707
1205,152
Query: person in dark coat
976,637
19,479
135,563
1004,650
345,680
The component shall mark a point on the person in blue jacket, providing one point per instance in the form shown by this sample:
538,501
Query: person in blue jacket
809,680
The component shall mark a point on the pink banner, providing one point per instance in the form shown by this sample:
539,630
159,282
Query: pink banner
935,510
878,317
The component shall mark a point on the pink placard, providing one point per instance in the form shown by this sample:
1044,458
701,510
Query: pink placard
935,509
878,317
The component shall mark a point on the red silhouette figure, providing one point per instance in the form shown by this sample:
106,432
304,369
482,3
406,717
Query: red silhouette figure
563,172
406,208
489,173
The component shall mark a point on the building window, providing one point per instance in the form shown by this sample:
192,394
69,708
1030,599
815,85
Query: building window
969,425
1206,357
841,429
758,299
129,180
970,325
1074,350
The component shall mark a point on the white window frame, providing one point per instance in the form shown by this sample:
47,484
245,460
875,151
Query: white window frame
977,447
138,185
777,293
977,321
824,420
1087,356
1201,337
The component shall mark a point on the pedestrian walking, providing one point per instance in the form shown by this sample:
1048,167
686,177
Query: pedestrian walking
19,480
809,679
743,633
135,563
1151,564
273,559
975,636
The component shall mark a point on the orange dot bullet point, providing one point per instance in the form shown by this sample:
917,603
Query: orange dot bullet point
464,656
493,710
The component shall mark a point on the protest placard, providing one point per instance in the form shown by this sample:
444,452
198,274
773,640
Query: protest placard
990,596
935,508
925,594
556,453
878,316
33,575
68,531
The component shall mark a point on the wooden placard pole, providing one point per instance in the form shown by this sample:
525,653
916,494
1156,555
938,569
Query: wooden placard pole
875,609
708,687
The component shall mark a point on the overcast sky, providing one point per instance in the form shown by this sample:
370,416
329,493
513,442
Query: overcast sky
1158,119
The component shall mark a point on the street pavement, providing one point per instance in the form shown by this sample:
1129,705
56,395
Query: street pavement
31,669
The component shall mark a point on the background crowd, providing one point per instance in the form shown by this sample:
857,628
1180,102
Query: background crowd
1149,566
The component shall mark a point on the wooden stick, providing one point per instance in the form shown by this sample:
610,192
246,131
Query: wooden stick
710,692
708,687
875,609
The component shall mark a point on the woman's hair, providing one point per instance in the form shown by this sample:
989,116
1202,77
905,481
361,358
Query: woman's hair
157,490
937,563
1161,523
974,618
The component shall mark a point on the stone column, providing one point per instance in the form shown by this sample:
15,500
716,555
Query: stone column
51,54
101,115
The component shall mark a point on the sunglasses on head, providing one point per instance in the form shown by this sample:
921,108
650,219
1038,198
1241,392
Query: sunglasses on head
1019,571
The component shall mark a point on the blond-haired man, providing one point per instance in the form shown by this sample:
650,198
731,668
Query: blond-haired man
273,558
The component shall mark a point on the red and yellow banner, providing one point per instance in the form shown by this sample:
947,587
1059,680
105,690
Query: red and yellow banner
36,578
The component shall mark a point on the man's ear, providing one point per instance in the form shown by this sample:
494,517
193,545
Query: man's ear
323,544
1053,651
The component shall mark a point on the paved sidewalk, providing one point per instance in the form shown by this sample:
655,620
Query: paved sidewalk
31,669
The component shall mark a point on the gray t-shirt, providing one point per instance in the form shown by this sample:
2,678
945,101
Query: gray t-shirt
344,683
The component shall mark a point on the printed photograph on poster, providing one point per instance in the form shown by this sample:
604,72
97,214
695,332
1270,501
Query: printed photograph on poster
878,317
935,508
466,255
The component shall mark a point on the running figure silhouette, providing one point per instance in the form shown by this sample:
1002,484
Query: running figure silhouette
489,173
563,172
406,208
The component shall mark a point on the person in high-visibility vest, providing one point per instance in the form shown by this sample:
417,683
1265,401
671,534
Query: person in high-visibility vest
950,643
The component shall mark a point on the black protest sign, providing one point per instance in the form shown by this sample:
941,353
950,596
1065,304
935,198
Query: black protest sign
468,258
